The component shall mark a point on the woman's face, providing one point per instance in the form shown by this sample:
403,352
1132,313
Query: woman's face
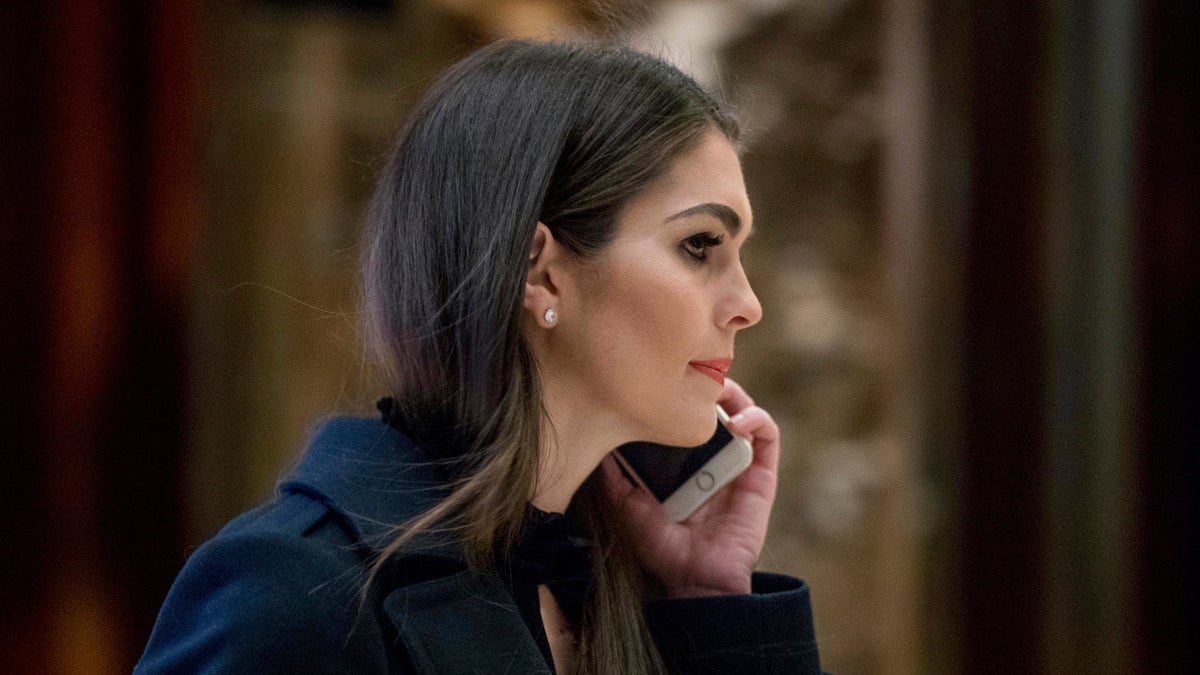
654,316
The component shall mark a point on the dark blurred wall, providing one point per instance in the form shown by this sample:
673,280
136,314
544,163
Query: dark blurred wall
100,203
24,298
1076,520
1168,331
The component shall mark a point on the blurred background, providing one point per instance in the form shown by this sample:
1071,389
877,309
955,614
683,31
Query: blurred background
977,256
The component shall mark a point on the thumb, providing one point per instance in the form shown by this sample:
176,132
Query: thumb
629,498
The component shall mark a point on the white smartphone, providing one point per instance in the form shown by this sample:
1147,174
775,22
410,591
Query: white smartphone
683,478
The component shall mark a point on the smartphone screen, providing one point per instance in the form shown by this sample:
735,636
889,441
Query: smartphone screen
664,468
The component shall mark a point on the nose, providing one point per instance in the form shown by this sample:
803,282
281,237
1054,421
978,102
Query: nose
741,308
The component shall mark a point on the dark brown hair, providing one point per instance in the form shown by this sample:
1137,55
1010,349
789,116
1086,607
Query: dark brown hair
516,133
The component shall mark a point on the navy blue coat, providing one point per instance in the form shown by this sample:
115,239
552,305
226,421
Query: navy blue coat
278,590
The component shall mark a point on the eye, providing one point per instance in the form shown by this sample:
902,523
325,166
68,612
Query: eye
697,245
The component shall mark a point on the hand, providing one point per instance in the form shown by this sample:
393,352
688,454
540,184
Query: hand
715,550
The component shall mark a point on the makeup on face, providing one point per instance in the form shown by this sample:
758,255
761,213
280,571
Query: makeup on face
662,304
714,369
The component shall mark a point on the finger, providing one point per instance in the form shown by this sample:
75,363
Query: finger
616,483
758,425
734,398
632,502
756,422
622,489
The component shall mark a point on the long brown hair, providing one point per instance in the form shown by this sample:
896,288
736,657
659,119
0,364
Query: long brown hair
516,133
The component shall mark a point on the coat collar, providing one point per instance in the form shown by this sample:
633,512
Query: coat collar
463,624
375,477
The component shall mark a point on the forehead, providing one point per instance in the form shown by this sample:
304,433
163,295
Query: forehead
709,173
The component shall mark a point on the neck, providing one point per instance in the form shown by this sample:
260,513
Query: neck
575,438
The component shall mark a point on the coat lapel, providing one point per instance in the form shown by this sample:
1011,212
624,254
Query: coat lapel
452,621
463,624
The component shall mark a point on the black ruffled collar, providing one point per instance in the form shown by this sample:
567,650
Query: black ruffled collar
439,439
554,548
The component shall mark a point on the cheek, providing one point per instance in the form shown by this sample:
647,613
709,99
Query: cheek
644,333
643,325
646,313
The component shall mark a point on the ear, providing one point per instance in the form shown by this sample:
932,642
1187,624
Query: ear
543,282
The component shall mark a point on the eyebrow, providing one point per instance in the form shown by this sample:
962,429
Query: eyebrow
723,213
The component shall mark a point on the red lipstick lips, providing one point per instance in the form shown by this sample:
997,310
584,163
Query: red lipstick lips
714,369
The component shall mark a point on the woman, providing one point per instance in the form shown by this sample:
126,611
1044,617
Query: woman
552,269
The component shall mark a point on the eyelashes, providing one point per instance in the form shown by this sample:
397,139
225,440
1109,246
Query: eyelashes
697,245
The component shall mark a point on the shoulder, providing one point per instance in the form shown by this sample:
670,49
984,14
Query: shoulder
278,590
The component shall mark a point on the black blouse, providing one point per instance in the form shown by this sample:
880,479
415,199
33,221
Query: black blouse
554,550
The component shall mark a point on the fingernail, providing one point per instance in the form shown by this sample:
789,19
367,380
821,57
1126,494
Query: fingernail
737,419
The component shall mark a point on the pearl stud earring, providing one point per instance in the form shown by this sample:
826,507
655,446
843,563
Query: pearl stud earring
551,316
